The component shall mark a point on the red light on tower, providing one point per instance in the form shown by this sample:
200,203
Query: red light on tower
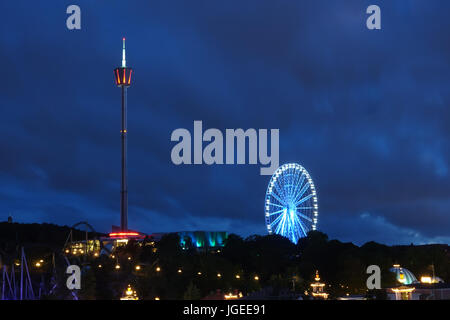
125,234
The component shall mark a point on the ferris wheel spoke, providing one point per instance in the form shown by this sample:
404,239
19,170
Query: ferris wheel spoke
304,217
288,184
277,205
302,191
276,212
285,224
274,222
282,186
278,198
285,221
299,183
304,199
295,227
297,232
295,181
306,208
300,178
302,227
280,225
278,188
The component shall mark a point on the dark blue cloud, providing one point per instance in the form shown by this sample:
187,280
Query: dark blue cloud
366,112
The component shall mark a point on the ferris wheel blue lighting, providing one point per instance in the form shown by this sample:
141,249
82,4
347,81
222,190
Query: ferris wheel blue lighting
291,207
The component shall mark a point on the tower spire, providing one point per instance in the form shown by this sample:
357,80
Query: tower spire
124,61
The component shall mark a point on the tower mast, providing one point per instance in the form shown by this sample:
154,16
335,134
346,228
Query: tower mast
123,80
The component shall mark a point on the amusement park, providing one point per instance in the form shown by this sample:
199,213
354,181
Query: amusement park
293,261
340,194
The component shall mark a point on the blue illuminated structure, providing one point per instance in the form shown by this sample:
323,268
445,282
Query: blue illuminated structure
203,239
291,207
403,275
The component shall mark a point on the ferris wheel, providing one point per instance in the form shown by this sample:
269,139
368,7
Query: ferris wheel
291,207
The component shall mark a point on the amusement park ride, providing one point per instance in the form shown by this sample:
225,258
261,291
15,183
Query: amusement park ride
291,210
123,80
17,289
291,207
119,235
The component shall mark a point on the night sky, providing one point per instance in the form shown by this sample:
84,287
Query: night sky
365,112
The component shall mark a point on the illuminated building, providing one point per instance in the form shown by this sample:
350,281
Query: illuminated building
83,247
317,288
233,296
203,240
429,287
432,291
403,293
405,278
122,238
115,240
219,295
200,240
431,279
90,245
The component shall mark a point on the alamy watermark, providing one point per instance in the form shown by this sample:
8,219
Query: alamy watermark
73,21
373,22
213,152
374,280
74,280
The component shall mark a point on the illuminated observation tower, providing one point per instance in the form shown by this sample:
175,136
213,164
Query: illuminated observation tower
123,80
